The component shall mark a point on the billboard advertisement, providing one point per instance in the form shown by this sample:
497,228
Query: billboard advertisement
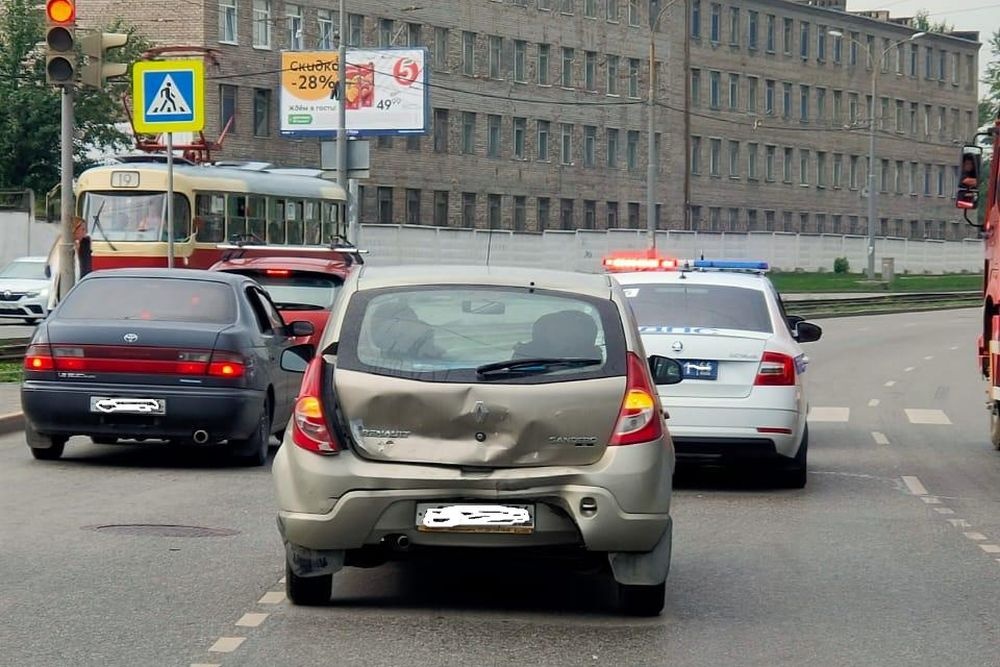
386,92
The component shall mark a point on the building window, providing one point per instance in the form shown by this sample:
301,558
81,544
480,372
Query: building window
899,177
468,132
838,170
441,208
567,68
804,40
714,92
715,25
734,159
734,219
612,75
566,214
227,107
695,217
543,140
589,214
441,47
786,100
633,13
752,85
696,19
913,118
752,162
633,78
520,131
854,172
324,19
469,53
412,206
520,217
227,21
787,166
261,112
769,97
787,35
734,26
493,211
769,33
714,156
543,213
769,154
384,32
293,20
752,219
804,103
928,63
913,178
355,29
384,200
440,130
496,57
633,215
520,49
493,136
838,49
469,209
590,9
803,167
821,169
413,37
821,103
853,58
914,50
612,215
752,30
590,71
612,148
734,92
695,155
632,150
589,145
852,108
714,218
543,64
821,43
566,144
696,87
884,177
613,11
262,24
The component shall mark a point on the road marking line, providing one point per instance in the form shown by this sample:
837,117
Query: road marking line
205,664
873,403
251,620
829,414
953,347
944,510
928,358
272,597
931,500
960,523
908,369
914,485
978,537
880,438
890,383
990,548
920,416
227,644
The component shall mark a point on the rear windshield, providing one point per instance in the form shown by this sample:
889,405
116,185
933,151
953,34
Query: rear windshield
708,306
155,299
296,290
444,334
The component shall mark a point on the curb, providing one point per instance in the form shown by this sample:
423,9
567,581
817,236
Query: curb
11,423
818,315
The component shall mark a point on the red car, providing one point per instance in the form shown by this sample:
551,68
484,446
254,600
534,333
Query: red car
302,287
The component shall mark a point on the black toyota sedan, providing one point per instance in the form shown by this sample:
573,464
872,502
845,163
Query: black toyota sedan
161,354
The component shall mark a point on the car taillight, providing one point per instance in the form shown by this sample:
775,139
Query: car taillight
309,425
226,365
38,358
639,418
776,370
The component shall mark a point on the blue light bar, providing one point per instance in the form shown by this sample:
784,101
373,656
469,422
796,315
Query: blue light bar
738,265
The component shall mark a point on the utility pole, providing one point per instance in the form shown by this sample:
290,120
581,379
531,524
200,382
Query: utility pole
352,232
656,12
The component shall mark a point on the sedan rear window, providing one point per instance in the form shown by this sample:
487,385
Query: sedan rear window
298,290
708,306
154,299
472,334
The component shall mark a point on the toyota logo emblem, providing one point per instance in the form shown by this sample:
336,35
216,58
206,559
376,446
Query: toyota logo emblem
130,337
677,346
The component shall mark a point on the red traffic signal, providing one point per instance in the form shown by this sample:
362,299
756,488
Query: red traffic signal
61,12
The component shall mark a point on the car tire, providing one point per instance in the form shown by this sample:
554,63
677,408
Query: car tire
44,447
642,600
995,426
103,440
308,591
795,475
253,451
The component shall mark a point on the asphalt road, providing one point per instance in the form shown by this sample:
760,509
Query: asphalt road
890,556
15,329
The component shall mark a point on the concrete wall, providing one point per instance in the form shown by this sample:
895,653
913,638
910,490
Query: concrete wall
15,240
582,250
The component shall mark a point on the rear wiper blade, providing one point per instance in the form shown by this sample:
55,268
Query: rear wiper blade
536,366
291,305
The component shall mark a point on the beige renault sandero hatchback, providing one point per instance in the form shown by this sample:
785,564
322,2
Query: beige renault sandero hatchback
482,407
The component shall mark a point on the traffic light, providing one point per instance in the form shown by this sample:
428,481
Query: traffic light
60,41
95,46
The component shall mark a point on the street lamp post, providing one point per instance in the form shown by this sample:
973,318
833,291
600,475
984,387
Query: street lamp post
656,13
872,191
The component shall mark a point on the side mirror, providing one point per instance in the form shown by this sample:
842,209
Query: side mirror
301,328
793,321
807,332
296,359
968,180
665,370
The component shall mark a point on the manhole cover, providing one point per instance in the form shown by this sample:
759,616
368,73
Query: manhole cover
162,530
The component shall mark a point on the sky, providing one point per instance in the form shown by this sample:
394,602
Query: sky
981,15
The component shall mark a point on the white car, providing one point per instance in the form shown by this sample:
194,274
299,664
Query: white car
24,290
743,396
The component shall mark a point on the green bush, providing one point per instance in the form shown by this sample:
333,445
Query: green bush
841,265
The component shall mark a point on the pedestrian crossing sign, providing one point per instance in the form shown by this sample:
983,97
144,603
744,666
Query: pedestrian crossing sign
168,96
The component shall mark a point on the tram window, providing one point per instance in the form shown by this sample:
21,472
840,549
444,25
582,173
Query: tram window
276,222
237,224
182,219
209,210
293,224
313,223
134,217
257,217
331,222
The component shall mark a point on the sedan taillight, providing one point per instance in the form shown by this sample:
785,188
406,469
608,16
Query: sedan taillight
38,358
776,370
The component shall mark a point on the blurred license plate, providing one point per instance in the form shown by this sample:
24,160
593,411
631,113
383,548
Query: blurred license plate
475,518
696,369
118,405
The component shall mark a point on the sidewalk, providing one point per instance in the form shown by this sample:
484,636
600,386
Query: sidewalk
11,419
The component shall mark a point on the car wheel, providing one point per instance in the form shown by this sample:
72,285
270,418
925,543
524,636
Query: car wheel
308,591
995,426
253,450
44,447
103,440
642,600
795,474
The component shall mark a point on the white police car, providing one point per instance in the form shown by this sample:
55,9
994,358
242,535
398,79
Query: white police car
743,396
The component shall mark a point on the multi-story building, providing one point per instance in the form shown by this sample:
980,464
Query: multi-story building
539,109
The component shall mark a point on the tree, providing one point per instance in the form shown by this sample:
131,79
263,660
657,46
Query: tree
30,113
989,106
921,22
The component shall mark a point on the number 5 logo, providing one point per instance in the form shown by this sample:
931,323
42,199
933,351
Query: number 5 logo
405,71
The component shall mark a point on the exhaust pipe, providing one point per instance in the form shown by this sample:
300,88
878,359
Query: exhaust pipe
397,542
200,437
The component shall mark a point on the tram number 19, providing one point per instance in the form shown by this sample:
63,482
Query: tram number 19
124,179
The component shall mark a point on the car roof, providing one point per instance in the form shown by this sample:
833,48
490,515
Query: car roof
337,266
174,274
592,284
744,279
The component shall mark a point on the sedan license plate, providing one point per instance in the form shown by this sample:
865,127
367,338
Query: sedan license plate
475,518
120,405
697,369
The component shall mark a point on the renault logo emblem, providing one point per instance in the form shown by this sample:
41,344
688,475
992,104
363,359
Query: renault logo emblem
130,338
6,294
480,412
677,346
